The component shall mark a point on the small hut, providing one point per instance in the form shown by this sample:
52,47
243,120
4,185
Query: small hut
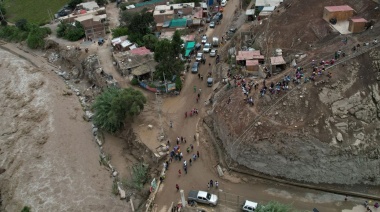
357,25
340,13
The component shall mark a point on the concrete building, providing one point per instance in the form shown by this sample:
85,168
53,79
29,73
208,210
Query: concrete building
341,13
168,12
94,25
92,5
357,25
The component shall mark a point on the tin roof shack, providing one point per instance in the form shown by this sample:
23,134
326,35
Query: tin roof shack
252,65
278,64
168,12
94,25
340,13
129,60
357,25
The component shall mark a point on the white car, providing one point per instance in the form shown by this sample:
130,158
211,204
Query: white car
204,39
207,47
199,57
224,3
213,52
249,206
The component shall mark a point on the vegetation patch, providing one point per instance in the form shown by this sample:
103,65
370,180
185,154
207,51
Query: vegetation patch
35,11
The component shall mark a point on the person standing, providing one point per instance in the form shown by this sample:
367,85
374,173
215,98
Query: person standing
185,168
177,187
190,161
179,172
171,124
216,184
211,183
208,186
198,154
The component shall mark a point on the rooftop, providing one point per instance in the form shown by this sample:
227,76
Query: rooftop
249,55
358,19
268,3
251,62
167,8
338,8
278,60
92,5
140,51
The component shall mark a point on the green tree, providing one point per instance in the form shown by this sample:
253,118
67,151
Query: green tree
36,37
140,25
167,55
73,3
114,105
119,31
177,43
101,2
274,207
126,17
150,41
71,32
22,24
178,83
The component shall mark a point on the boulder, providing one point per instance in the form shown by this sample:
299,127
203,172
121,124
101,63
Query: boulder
339,137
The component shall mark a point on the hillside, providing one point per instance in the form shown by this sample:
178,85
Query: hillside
321,132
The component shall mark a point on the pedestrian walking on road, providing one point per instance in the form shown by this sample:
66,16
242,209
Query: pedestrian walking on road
185,168
195,88
177,187
216,184
192,147
171,124
179,172
195,137
211,183
197,154
194,157
190,161
208,186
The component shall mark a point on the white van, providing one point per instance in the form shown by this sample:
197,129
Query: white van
249,206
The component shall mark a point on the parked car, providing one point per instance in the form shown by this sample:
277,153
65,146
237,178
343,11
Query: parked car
218,16
213,52
208,19
212,24
204,39
232,30
224,3
195,67
210,82
199,57
249,206
207,48
203,197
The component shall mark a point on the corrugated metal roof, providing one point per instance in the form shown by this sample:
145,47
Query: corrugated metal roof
175,23
338,8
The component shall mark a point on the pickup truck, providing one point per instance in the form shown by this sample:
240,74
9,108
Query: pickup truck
203,197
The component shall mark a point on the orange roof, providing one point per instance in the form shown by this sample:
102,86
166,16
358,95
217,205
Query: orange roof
338,8
251,62
358,20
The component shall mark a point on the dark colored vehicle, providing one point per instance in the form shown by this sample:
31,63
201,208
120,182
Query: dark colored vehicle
195,67
218,16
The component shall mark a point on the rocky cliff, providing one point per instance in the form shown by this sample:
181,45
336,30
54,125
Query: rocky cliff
322,132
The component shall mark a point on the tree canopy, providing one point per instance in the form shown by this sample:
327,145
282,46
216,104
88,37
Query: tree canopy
140,24
71,32
119,31
167,55
114,105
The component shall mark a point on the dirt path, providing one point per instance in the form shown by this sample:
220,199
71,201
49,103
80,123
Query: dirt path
47,149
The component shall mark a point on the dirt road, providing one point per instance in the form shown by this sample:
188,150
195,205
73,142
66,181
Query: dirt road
204,168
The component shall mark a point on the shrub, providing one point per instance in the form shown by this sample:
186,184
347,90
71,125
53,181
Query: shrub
119,31
134,81
22,24
4,23
73,3
139,176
